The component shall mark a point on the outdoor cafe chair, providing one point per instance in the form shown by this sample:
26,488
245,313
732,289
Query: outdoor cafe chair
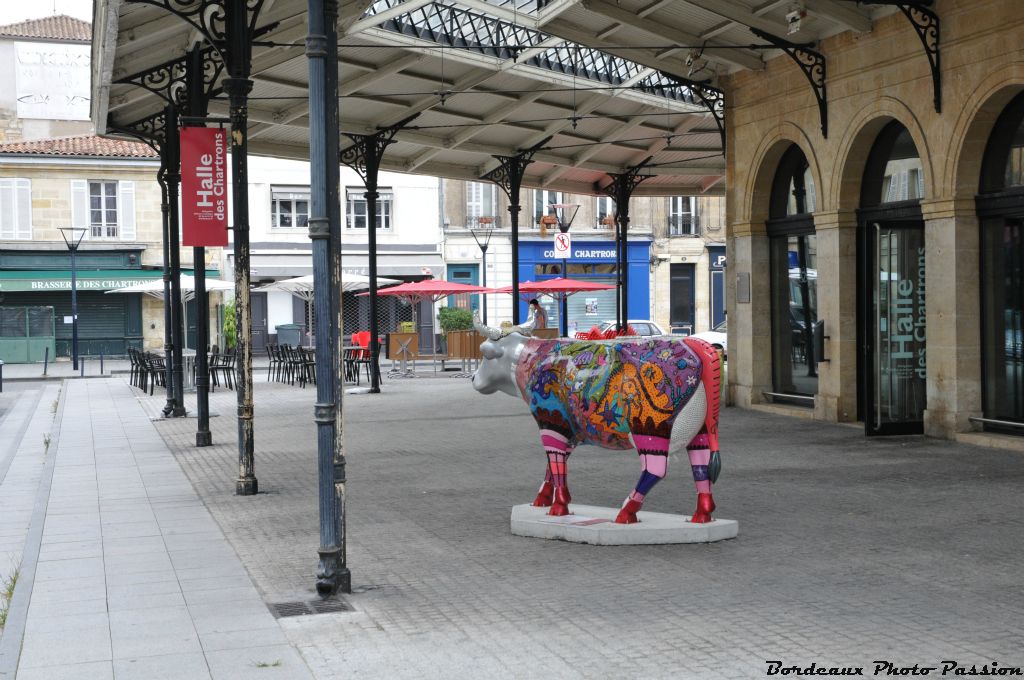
222,365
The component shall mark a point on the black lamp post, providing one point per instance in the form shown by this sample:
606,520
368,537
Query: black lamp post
73,240
482,236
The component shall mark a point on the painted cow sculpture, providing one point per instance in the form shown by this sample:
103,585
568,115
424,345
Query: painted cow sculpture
604,392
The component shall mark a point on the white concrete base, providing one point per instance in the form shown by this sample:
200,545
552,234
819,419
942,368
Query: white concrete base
594,525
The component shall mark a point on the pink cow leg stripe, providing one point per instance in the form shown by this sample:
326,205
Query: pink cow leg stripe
648,444
553,441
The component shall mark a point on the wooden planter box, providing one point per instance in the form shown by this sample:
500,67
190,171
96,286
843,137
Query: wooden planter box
464,344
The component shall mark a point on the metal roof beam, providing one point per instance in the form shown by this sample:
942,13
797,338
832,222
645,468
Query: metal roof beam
376,20
728,9
844,15
673,34
554,10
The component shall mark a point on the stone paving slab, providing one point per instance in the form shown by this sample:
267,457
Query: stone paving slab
106,602
852,549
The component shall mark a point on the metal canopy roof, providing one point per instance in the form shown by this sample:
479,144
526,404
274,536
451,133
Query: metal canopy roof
488,77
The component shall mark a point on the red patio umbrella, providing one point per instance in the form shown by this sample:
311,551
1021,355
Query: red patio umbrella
429,289
559,289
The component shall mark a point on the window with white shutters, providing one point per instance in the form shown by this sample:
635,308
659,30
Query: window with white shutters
15,209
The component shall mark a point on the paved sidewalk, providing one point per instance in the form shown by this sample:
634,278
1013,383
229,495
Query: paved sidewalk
850,549
124,574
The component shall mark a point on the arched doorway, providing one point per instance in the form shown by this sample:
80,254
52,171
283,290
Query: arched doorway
891,290
1001,212
792,245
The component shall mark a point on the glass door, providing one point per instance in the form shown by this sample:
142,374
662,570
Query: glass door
896,330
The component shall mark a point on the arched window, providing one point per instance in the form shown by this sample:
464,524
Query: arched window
892,330
894,173
794,277
1001,211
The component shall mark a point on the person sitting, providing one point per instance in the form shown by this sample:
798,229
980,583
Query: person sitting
537,311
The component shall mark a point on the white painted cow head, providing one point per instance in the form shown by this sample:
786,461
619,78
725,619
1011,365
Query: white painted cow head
497,370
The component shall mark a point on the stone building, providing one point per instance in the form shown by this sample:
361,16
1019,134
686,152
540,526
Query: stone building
875,274
676,253
55,174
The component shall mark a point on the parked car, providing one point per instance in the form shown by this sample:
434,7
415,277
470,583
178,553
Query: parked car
643,327
716,337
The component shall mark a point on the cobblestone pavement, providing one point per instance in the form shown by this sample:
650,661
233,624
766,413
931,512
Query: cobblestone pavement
850,549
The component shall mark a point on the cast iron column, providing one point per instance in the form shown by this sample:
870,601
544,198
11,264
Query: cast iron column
321,51
620,190
238,86
509,176
74,307
165,213
173,145
364,157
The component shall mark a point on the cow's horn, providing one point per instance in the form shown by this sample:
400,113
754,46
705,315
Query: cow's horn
528,327
486,331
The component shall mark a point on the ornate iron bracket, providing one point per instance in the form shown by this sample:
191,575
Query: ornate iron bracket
365,154
711,97
926,23
209,17
623,183
811,62
171,81
151,130
509,173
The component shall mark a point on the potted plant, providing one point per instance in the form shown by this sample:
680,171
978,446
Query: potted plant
228,328
455,321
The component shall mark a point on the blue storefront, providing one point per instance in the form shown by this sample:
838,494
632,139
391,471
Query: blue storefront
592,260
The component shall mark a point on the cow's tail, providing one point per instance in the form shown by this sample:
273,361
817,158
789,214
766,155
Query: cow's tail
711,377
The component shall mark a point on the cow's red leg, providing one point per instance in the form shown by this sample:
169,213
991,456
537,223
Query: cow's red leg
654,459
556,445
700,456
546,494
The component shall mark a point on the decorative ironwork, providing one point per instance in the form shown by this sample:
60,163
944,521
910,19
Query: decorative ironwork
367,150
712,98
509,173
209,17
621,190
151,130
926,24
170,80
811,62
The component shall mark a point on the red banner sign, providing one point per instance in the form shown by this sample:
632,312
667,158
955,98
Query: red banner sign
204,187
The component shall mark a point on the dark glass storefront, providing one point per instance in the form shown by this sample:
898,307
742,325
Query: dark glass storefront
1001,211
792,246
891,291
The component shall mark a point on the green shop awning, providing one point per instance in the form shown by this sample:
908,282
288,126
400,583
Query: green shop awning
95,279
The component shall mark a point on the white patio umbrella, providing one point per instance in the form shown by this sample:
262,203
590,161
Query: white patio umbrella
302,288
188,288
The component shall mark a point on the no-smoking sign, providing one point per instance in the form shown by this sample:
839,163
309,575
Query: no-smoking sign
563,245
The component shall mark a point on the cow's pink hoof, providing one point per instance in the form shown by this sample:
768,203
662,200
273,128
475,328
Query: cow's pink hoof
705,506
627,515
544,496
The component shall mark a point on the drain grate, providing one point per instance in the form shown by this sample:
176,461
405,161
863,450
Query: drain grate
285,609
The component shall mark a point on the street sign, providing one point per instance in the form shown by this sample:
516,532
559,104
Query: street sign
563,245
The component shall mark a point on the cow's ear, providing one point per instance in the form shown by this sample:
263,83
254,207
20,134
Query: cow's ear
491,350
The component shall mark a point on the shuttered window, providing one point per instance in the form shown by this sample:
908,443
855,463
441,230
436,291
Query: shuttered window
15,209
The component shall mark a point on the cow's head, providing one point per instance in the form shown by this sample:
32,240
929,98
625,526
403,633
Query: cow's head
500,351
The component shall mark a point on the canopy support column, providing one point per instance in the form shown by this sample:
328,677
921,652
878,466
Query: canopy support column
324,231
621,190
364,157
509,176
172,146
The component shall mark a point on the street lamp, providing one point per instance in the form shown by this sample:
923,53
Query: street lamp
73,238
482,236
